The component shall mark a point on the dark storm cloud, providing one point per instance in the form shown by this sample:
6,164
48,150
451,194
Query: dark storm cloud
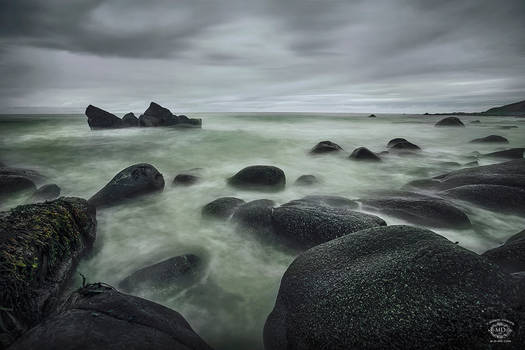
339,55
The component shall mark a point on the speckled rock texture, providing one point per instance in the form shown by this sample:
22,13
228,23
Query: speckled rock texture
511,255
259,178
134,181
99,317
40,245
221,208
395,287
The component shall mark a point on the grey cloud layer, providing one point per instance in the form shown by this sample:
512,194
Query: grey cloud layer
403,55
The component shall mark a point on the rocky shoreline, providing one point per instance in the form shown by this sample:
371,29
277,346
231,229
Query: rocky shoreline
356,282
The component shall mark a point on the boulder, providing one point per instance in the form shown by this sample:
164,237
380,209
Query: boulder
221,208
11,184
185,179
363,153
46,193
32,175
505,199
512,153
395,141
402,145
136,180
511,255
255,215
306,180
99,317
156,115
418,209
100,119
395,287
491,139
259,177
325,147
40,245
511,173
450,121
130,120
372,116
304,224
326,200
180,271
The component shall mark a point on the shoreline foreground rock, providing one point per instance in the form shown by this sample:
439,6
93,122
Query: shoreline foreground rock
40,245
154,116
97,316
394,287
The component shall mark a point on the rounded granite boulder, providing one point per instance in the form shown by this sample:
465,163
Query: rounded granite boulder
259,177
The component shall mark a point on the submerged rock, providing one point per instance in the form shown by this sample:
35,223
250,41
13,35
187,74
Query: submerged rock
46,193
99,317
259,177
511,255
32,175
499,198
475,122
40,245
187,178
450,121
395,287
221,208
180,271
100,119
512,153
372,116
363,153
491,139
11,184
136,180
306,180
130,120
402,144
325,147
418,209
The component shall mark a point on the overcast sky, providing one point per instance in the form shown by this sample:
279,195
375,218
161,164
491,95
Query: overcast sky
264,55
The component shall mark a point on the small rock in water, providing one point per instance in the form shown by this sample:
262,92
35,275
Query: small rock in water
491,139
221,208
325,147
46,193
134,181
372,116
363,153
187,178
259,177
306,180
450,121
475,122
180,271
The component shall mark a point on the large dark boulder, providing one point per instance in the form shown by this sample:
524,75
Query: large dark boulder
511,153
136,180
499,198
180,271
511,173
395,287
46,193
418,209
100,119
491,139
11,184
306,180
511,255
40,245
325,147
304,225
259,177
32,175
450,121
130,120
363,153
99,317
221,208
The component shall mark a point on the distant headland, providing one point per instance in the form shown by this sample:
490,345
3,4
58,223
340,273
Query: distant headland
511,110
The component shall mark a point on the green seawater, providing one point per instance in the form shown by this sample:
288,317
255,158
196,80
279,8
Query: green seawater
228,307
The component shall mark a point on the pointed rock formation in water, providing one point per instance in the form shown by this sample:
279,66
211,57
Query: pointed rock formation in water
130,120
156,115
100,119
40,245
134,181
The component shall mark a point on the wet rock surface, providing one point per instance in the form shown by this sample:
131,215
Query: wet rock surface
511,255
491,139
260,178
221,208
450,122
364,154
40,245
395,287
99,317
325,147
46,193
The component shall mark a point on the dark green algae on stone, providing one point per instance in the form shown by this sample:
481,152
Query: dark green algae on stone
39,247
394,287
